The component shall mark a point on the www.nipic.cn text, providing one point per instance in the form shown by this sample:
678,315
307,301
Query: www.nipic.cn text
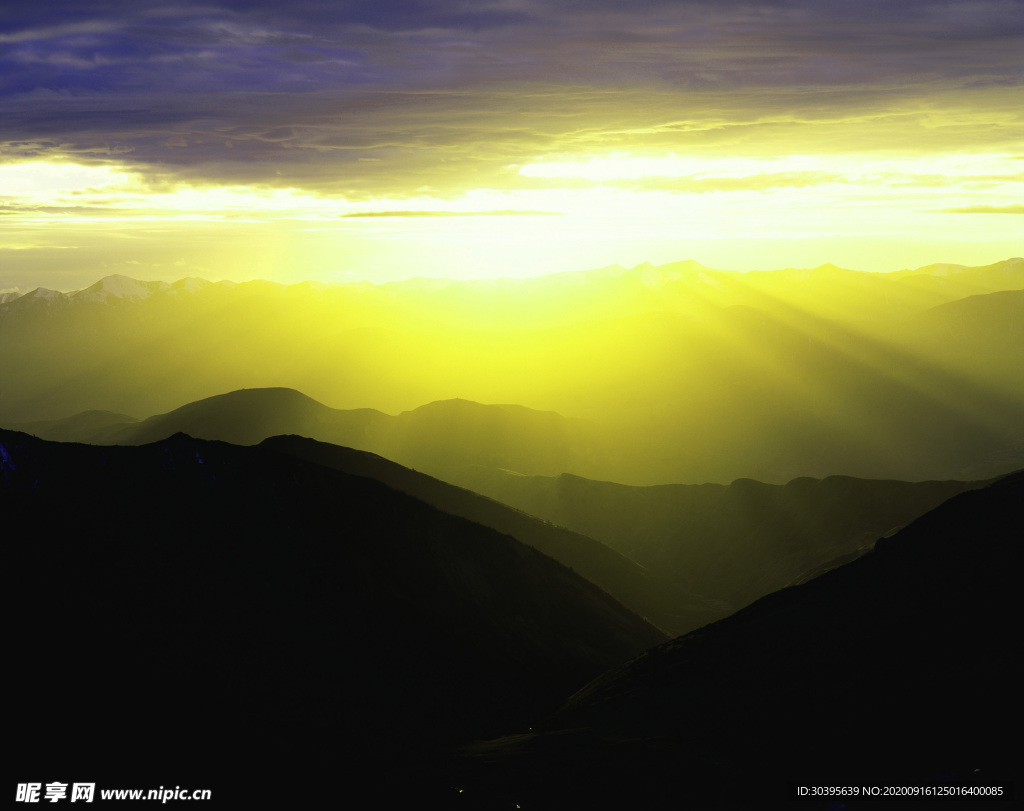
87,793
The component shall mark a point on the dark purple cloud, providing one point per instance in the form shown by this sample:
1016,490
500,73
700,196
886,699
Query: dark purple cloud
367,97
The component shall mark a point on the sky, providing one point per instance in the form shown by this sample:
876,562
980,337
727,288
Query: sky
380,140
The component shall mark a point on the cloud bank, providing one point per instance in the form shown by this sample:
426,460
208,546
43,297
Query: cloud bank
379,99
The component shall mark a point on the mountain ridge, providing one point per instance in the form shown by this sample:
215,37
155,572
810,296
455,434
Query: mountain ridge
326,617
120,286
704,550
709,376
833,682
733,543
666,607
435,437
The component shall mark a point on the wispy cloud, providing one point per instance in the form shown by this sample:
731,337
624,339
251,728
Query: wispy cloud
497,213
1012,209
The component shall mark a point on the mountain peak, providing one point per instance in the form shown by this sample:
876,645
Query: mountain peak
828,267
462,406
271,395
190,284
44,294
655,275
120,287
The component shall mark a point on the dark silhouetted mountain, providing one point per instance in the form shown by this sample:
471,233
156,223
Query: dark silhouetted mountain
729,543
662,603
706,550
894,670
196,602
703,550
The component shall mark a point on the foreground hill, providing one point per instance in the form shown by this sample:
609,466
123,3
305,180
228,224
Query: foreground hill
203,602
894,670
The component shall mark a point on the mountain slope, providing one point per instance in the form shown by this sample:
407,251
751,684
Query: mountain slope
731,543
248,416
707,549
991,323
896,669
665,605
93,427
230,605
441,438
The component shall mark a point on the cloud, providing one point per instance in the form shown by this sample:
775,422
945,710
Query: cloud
1011,209
85,27
761,182
498,213
35,248
363,99
78,211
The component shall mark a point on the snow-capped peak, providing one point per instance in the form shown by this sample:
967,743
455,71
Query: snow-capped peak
120,287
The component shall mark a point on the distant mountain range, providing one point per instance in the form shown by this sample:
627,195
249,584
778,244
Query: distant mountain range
683,373
939,281
112,290
441,438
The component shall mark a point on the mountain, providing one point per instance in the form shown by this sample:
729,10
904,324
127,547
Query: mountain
95,427
680,555
41,297
119,288
998,273
445,437
211,606
684,373
984,323
662,603
441,438
438,437
894,670
729,543
248,416
244,417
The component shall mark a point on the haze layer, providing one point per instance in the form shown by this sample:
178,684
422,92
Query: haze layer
671,374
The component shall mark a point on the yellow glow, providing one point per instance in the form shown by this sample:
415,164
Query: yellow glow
873,212
710,363
852,167
43,182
